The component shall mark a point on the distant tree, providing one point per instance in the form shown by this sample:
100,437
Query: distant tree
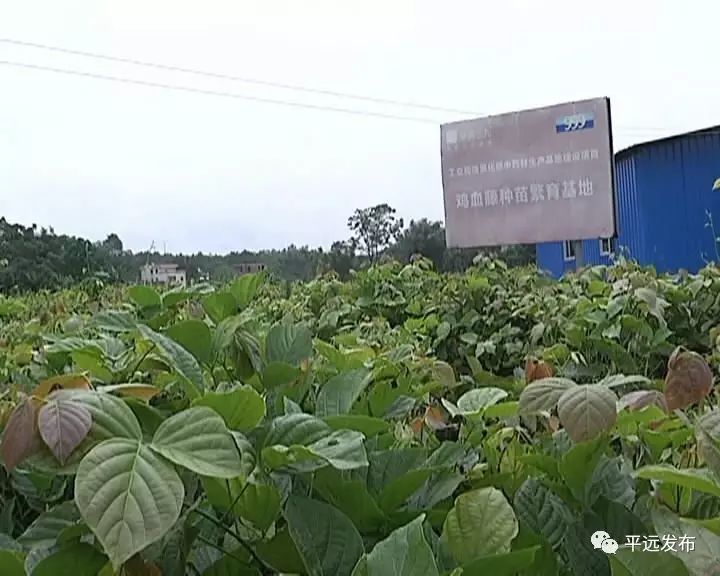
113,244
374,229
341,258
421,237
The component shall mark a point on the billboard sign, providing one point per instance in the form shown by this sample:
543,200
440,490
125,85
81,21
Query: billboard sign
527,177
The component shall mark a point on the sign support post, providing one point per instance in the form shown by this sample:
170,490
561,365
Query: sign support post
579,254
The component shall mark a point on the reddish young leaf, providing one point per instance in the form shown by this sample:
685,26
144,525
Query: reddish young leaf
689,379
416,424
63,425
537,369
436,417
20,437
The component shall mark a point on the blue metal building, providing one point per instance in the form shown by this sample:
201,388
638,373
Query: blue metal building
663,198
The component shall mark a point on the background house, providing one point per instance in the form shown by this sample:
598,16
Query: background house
664,203
167,274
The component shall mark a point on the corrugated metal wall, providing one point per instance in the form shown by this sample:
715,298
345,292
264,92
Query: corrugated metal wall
664,192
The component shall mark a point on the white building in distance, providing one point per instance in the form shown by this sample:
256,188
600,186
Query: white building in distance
167,274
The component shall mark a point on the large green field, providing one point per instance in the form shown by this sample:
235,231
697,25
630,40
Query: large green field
402,423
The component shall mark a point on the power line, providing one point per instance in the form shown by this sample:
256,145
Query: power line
214,92
223,76
636,132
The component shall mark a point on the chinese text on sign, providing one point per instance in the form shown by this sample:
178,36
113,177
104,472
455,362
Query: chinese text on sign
526,177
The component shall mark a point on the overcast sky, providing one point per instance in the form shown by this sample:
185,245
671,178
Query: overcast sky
214,174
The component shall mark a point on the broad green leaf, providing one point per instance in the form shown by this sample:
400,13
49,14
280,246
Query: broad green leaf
477,400
289,343
399,490
507,564
63,425
71,344
111,417
281,553
617,380
256,503
260,504
440,486
220,306
612,480
582,556
481,523
387,466
543,462
587,411
695,478
78,559
47,527
241,409
339,393
444,373
12,562
712,524
542,395
368,425
128,496
291,407
198,440
296,429
447,455
326,539
182,362
502,410
351,497
542,511
232,340
93,364
194,336
404,553
342,449
578,465
114,321
236,563
707,434
148,416
277,374
245,288
704,558
175,296
145,296
626,562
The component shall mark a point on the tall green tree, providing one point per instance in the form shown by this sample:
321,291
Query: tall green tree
421,237
374,229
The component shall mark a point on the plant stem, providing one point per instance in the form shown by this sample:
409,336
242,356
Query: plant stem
222,550
142,359
233,534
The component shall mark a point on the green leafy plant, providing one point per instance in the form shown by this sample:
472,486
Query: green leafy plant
382,425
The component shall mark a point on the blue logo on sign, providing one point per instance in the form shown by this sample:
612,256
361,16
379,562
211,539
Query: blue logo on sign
575,122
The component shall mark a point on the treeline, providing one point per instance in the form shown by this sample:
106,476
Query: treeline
33,258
